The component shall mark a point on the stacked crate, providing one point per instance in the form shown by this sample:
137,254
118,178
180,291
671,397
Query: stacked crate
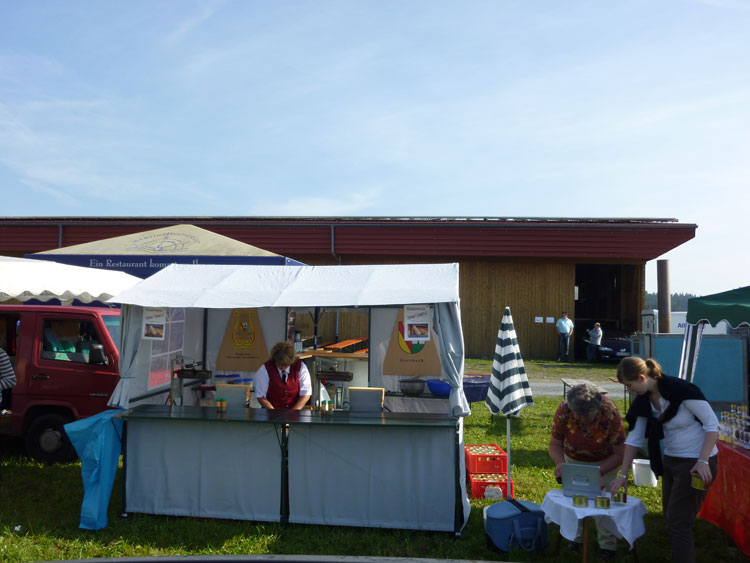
486,466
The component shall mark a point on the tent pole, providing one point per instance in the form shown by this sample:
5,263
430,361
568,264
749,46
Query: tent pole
315,328
205,339
507,432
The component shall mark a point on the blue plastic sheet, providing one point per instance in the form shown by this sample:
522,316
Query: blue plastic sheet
98,442
475,387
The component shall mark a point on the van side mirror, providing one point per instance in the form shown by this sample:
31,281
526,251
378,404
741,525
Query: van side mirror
97,355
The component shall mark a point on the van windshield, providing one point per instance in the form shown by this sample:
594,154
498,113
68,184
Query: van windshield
112,322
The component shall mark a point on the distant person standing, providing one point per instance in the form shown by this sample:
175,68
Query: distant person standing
7,375
564,327
595,340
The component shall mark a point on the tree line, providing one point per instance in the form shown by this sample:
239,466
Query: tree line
679,301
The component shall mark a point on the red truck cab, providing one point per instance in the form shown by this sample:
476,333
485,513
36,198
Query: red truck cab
66,363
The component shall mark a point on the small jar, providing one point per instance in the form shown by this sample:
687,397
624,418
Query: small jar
698,483
602,502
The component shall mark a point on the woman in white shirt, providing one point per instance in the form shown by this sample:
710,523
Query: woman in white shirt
675,411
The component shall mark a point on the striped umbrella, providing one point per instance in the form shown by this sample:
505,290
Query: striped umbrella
509,390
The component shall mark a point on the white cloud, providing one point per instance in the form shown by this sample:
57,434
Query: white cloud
352,203
181,31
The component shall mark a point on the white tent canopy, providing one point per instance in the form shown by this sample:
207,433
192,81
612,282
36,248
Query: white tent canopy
22,279
214,286
272,289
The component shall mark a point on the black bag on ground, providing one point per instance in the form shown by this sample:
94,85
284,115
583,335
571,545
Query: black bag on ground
516,524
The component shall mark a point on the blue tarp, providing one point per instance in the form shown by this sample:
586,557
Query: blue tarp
476,387
98,442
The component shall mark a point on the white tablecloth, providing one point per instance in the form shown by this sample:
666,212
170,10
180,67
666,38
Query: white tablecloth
623,520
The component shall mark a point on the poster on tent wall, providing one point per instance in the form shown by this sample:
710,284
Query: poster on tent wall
243,347
411,357
154,321
417,323
166,350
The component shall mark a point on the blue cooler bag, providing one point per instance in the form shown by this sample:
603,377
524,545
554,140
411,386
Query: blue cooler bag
516,524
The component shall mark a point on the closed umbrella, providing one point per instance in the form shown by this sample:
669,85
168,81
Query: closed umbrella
509,390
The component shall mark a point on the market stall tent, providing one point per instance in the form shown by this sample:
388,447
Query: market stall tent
271,290
728,502
23,280
732,306
207,295
145,253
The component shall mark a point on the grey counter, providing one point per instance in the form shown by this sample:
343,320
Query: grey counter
396,470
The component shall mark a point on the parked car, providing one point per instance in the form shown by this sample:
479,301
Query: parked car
66,363
615,346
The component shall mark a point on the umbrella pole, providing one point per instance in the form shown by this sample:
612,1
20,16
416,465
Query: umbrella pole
507,483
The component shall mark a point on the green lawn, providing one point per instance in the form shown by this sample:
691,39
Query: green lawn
39,510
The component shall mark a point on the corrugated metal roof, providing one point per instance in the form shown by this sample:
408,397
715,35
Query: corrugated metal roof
336,219
541,237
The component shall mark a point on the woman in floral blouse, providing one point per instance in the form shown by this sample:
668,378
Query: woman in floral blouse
588,429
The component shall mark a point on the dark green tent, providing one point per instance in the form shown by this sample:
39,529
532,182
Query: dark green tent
732,306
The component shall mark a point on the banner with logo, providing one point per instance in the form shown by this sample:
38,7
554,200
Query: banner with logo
411,357
243,347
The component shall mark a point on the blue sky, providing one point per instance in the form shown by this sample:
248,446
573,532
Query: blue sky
377,108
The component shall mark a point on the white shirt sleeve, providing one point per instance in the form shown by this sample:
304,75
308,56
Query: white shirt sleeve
261,382
305,384
637,435
703,411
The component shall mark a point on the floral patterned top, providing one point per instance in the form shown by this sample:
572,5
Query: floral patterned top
590,442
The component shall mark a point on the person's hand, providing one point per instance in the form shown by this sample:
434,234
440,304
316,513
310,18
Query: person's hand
703,471
558,471
617,484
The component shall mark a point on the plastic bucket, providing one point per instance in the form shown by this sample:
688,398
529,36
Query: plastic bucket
642,474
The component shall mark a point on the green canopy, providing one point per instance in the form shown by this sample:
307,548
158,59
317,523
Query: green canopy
732,306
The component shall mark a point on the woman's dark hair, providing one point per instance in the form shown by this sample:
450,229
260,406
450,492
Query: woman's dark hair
630,368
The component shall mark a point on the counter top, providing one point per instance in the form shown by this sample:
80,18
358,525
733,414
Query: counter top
345,418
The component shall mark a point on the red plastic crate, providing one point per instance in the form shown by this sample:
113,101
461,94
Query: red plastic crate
485,458
480,481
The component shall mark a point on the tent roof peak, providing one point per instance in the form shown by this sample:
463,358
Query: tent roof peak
173,240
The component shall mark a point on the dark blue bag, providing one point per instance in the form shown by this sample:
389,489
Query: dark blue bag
516,524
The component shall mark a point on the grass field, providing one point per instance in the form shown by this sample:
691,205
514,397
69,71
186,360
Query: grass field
40,506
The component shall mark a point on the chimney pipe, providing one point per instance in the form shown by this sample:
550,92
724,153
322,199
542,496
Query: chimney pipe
663,295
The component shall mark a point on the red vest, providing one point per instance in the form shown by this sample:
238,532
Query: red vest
279,394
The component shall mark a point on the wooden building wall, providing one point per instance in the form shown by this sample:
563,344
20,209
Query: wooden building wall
531,288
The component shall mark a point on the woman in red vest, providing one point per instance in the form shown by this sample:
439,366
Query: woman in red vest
283,382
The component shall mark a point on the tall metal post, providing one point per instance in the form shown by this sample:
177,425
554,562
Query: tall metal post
663,295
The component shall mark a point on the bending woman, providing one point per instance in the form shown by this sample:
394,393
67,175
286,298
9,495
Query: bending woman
676,411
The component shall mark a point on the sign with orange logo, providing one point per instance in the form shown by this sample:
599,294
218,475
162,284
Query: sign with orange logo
411,357
243,347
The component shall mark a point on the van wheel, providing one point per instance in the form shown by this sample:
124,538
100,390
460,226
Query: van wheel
46,440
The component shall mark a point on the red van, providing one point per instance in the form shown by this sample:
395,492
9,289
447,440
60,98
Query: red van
66,363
